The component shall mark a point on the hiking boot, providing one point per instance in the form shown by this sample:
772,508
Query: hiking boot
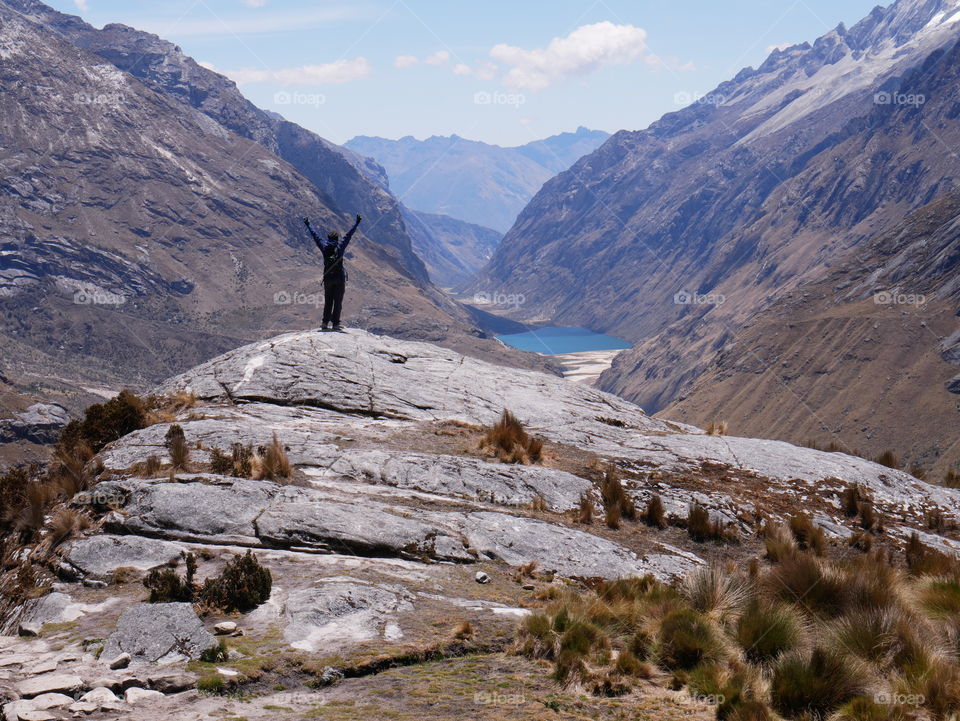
325,326
338,327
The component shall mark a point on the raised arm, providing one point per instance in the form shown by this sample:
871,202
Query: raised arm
318,239
349,235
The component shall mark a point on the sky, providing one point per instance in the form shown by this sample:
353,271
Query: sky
504,72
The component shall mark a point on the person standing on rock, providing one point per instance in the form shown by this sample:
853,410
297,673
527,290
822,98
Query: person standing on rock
334,274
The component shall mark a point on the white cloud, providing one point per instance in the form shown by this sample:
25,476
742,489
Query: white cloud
82,5
487,71
438,58
585,50
405,61
461,69
342,71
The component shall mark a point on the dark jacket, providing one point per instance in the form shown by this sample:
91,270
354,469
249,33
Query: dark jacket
333,253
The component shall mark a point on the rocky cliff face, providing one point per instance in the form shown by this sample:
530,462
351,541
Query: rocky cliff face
393,527
672,236
477,182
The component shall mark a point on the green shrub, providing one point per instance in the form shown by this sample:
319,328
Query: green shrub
767,631
104,423
815,684
215,654
166,585
242,585
212,684
687,640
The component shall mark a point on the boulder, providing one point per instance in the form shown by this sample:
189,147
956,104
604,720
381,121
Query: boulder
121,661
49,683
159,632
102,555
136,695
225,628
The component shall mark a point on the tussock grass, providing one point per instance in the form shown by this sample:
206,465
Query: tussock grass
654,514
510,443
271,463
805,638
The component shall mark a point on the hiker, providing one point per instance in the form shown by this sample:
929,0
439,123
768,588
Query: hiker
334,275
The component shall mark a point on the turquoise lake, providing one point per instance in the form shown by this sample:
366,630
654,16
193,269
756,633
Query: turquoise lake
556,340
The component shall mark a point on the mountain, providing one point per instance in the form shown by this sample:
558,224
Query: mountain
684,230
401,554
453,250
469,180
865,356
139,235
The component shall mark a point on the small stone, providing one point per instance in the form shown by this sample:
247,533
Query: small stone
99,696
172,682
135,695
29,629
528,587
108,683
49,683
46,666
35,716
50,700
225,627
82,707
482,577
121,661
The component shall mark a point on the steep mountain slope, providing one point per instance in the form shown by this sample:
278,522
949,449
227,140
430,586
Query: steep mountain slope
162,66
139,236
473,181
453,250
685,229
867,356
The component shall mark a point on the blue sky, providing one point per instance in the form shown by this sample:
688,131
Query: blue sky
498,71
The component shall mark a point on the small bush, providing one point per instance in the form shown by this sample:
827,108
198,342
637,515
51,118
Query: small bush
810,584
702,528
104,423
807,535
889,459
815,684
242,585
511,443
767,631
215,654
166,585
616,502
653,514
712,590
585,510
272,463
177,447
717,428
687,640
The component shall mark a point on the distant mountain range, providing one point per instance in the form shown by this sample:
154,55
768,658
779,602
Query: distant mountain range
469,180
687,231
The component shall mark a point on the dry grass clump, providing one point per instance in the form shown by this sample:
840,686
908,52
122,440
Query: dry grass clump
238,464
889,459
271,463
778,541
585,510
617,504
804,639
177,447
951,479
702,528
654,514
66,523
166,408
807,535
510,443
717,428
